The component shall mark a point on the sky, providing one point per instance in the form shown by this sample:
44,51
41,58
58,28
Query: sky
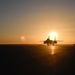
30,21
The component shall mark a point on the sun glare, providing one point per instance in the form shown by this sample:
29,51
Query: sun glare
53,35
22,38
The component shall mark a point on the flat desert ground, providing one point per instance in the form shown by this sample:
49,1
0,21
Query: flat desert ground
37,60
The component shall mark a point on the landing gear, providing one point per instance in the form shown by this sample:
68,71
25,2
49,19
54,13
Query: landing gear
52,44
47,44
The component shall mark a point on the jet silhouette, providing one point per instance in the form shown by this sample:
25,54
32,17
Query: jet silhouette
50,42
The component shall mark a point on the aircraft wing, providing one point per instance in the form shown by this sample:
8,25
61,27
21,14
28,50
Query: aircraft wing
59,40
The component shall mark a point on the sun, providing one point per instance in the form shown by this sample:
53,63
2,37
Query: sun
53,35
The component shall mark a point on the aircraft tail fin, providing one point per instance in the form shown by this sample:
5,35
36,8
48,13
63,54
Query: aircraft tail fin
55,38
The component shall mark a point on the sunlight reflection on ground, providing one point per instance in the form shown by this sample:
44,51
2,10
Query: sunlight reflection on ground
52,50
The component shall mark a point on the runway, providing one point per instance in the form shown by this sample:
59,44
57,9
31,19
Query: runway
37,59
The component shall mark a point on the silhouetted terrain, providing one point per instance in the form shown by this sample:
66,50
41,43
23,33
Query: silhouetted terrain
37,59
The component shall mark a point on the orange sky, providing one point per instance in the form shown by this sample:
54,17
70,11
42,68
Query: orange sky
35,20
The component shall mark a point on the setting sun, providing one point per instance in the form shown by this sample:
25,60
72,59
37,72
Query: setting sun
53,35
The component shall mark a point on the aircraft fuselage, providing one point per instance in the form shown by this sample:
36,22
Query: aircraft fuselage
50,42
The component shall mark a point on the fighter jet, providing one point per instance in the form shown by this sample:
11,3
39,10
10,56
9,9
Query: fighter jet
48,41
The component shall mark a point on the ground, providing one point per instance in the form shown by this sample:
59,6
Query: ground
37,59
